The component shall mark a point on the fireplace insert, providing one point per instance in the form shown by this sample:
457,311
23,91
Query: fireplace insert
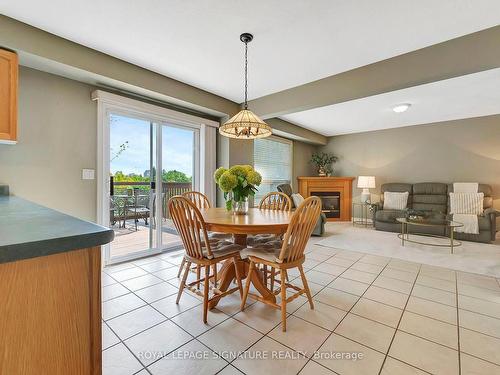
330,202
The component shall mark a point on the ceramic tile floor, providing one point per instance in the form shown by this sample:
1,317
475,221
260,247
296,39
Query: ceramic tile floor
405,318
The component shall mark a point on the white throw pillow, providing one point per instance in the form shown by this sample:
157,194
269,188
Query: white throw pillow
395,201
466,203
297,199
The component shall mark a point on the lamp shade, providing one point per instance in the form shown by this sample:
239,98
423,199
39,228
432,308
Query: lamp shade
366,182
245,125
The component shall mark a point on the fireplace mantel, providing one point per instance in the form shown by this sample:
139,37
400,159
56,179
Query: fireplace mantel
343,185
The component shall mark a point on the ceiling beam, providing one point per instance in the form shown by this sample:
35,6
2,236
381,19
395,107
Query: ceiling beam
45,51
468,54
286,129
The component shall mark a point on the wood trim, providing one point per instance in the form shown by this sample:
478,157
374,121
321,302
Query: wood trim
343,185
8,98
51,314
95,310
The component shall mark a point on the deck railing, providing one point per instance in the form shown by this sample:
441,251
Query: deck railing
169,189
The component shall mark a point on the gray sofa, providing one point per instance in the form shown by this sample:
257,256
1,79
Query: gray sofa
319,229
433,198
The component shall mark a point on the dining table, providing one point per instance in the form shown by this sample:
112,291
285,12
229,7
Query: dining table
255,221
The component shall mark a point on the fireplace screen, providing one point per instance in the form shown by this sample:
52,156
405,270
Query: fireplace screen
330,202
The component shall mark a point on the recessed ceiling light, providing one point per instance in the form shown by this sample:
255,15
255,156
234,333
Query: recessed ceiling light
401,107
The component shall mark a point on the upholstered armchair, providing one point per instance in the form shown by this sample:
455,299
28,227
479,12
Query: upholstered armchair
319,229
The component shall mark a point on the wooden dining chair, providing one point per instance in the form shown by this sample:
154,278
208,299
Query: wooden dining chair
271,201
290,255
201,201
198,250
276,201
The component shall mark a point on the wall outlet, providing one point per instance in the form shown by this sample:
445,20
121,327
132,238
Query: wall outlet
88,174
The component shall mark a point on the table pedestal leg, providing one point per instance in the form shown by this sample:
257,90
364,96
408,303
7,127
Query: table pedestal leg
240,239
227,274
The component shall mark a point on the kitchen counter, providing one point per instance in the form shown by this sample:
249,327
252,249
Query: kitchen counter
28,230
50,302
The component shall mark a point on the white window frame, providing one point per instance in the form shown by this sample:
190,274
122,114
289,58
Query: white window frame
282,140
205,158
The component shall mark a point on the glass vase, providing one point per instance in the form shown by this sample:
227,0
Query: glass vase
240,207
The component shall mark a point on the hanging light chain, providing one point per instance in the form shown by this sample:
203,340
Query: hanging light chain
246,75
245,124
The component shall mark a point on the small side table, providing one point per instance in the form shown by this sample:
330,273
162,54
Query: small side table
363,209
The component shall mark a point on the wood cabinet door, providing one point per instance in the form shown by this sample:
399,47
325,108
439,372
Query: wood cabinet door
8,96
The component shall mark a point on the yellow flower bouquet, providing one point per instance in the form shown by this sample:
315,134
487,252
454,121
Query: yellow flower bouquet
238,183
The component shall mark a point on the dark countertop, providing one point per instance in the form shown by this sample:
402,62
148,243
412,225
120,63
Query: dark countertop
28,230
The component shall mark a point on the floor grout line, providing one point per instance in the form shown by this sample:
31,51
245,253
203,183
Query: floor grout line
397,327
458,328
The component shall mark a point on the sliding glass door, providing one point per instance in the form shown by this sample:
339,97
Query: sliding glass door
149,161
180,171
131,196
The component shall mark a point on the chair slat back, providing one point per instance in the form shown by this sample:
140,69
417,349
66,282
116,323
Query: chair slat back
299,230
190,225
200,200
276,201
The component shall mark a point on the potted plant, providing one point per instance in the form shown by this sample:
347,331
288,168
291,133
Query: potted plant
238,183
323,162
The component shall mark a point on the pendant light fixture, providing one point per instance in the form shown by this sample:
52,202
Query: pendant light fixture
245,124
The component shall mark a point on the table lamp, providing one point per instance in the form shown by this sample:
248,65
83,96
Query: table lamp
366,183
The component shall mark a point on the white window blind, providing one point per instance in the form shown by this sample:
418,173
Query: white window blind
273,160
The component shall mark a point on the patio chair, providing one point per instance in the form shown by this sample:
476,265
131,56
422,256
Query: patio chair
198,250
138,209
113,212
290,255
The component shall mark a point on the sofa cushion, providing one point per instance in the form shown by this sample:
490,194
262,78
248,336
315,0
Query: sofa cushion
466,203
389,216
397,187
484,223
297,199
395,201
430,188
430,196
482,188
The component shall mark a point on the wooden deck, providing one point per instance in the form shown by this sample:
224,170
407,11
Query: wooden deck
128,241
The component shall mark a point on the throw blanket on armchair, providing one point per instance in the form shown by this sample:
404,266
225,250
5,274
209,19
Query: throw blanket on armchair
465,204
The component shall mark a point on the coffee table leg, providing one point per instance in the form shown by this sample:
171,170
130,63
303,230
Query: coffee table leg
451,239
402,234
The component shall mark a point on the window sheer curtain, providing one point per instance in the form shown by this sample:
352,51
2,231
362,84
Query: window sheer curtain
273,160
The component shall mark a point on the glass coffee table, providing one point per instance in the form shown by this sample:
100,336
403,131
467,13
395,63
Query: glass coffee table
447,225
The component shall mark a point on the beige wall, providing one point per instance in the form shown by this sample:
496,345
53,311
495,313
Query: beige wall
57,138
301,167
462,150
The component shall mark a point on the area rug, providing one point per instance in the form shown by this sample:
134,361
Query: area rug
470,257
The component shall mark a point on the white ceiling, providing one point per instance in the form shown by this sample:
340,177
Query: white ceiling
468,96
296,41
